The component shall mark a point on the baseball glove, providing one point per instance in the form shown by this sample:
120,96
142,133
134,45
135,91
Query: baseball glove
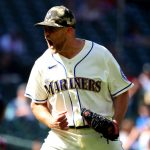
109,129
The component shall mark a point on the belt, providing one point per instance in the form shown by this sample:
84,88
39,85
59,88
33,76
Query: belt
79,127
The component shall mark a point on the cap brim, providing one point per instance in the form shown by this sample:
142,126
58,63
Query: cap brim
51,24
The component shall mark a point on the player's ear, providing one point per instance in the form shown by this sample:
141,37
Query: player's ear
70,30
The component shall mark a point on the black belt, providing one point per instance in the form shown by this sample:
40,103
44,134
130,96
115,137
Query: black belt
79,127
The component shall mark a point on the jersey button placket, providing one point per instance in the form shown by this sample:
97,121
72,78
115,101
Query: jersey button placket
70,67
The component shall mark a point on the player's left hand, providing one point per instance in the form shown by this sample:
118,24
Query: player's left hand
109,129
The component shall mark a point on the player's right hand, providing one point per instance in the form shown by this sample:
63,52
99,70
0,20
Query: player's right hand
59,121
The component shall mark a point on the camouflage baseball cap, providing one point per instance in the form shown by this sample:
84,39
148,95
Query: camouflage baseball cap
58,16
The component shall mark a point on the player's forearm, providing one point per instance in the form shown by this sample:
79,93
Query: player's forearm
120,107
41,112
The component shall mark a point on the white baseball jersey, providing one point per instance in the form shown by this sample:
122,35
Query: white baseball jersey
90,79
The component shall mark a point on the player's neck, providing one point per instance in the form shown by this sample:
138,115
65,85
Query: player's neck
72,48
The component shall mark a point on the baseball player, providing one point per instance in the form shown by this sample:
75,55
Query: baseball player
77,88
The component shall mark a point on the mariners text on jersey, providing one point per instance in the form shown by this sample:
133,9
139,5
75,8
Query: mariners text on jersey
53,87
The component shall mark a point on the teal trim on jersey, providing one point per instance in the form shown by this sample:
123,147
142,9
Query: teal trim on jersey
28,95
75,74
121,90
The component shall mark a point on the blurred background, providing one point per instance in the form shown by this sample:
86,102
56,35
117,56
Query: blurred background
123,26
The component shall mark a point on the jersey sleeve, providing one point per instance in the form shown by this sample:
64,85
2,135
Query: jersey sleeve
117,81
35,87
